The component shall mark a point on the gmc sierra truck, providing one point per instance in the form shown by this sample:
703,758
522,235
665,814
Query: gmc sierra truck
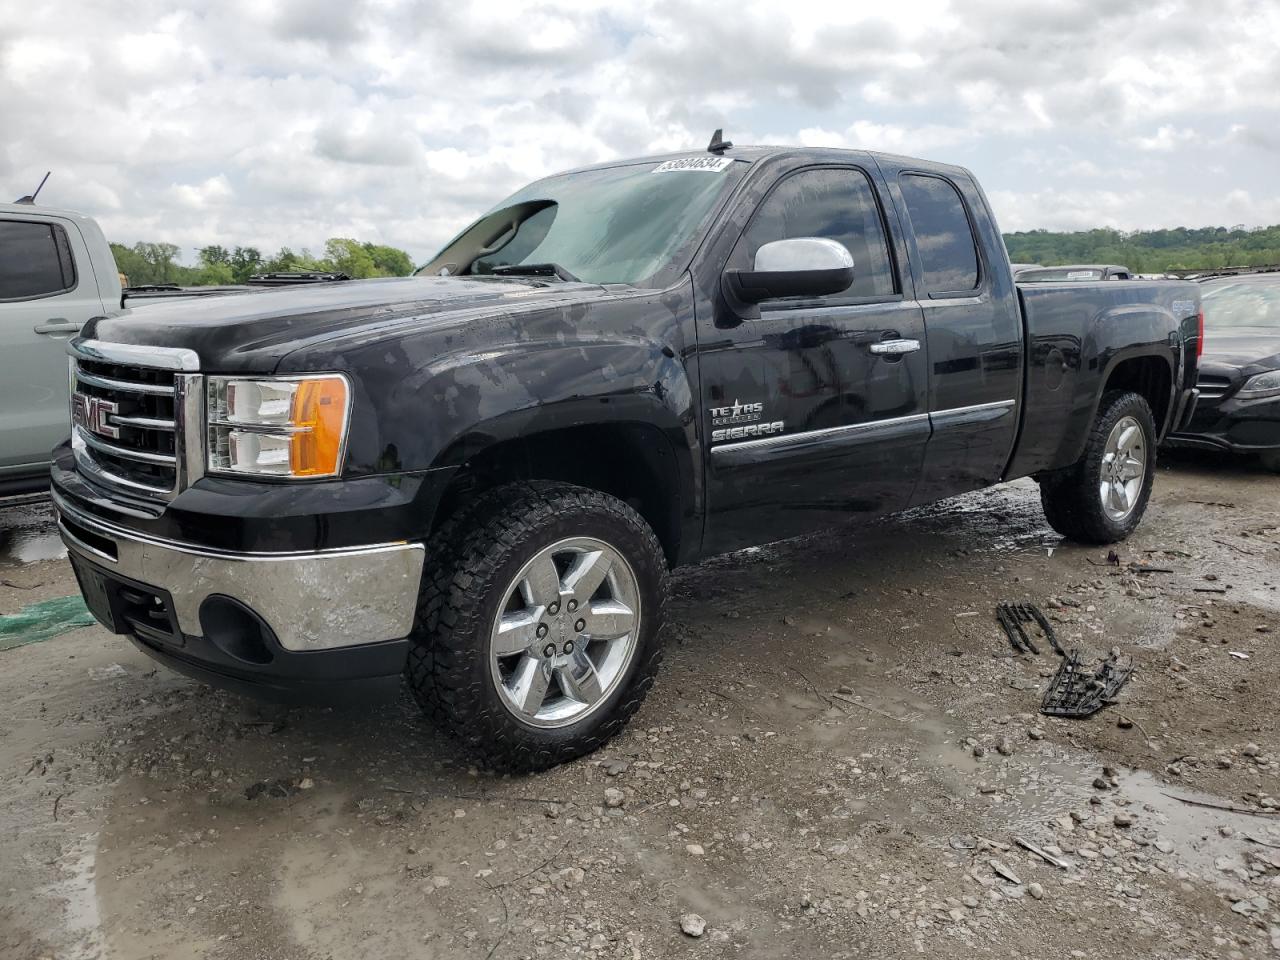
477,478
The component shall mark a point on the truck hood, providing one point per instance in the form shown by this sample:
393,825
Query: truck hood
1243,347
254,331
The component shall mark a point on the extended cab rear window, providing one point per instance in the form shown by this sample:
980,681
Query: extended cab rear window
944,240
35,260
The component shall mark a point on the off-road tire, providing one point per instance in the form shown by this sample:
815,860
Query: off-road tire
1070,497
469,563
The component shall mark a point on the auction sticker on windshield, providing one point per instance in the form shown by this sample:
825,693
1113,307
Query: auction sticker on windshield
704,164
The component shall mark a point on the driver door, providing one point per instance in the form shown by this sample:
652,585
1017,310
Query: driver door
818,409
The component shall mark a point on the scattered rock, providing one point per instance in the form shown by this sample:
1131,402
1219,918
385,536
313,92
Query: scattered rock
1004,747
1035,733
979,750
693,925
614,798
694,849
1123,819
1099,783
614,768
1001,870
1036,891
572,876
1124,723
1251,750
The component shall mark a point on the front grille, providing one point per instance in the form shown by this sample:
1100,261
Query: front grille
1213,386
128,421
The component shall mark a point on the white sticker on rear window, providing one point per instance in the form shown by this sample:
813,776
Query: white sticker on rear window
703,164
1082,274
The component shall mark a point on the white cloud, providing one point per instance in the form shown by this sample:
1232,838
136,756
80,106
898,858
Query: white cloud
1166,139
274,122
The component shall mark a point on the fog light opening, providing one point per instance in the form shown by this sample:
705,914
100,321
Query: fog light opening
236,630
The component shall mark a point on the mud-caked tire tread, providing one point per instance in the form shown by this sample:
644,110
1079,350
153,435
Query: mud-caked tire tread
1070,496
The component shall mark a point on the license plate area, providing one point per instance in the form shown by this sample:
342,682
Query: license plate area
123,605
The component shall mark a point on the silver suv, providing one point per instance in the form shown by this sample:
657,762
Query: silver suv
56,271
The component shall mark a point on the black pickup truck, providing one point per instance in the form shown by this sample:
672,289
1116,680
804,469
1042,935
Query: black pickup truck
477,478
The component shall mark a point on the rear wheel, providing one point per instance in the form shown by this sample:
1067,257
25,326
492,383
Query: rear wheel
539,626
1101,498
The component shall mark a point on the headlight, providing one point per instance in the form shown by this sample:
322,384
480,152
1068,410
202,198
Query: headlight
1261,385
278,427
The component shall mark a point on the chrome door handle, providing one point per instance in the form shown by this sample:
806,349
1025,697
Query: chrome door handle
57,325
894,348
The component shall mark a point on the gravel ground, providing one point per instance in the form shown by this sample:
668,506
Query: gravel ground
840,759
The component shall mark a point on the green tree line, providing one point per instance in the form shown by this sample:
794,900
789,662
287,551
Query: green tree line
1150,251
149,263
1144,251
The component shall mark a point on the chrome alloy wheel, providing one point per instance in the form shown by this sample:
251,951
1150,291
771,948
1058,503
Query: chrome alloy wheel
565,633
1124,467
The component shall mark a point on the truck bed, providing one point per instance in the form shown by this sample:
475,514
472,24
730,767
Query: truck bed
1108,322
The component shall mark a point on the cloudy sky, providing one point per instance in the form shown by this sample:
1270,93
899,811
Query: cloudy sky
271,122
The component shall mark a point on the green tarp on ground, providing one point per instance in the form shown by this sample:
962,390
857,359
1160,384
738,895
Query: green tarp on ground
42,621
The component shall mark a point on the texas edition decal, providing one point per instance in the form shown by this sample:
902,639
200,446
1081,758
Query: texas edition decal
741,421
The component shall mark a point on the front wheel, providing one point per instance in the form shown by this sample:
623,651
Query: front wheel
539,626
1101,497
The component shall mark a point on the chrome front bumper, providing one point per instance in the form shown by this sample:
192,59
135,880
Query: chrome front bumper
311,601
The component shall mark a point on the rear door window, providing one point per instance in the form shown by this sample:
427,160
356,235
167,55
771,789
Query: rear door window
837,204
944,240
35,260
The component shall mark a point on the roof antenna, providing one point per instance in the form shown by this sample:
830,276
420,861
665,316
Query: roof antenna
31,197
718,144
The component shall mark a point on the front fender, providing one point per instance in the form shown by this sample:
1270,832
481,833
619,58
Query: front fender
532,388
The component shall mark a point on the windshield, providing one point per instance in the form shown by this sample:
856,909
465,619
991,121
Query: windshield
614,225
1241,303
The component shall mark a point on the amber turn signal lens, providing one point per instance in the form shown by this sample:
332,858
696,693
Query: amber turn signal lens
318,415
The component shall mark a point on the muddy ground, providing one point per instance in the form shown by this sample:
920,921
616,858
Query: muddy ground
838,761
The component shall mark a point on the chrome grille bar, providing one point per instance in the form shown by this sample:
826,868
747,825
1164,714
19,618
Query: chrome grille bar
125,453
144,423
96,471
127,386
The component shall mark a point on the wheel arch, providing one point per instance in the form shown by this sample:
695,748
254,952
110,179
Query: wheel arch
1150,375
635,460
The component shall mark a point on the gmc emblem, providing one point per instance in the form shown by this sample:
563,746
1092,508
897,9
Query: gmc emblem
92,414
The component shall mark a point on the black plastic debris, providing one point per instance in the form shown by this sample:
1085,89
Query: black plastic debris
1014,619
270,788
1076,692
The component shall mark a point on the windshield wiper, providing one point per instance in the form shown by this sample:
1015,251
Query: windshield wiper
535,270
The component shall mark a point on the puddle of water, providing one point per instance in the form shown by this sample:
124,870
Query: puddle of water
78,894
1055,786
29,534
